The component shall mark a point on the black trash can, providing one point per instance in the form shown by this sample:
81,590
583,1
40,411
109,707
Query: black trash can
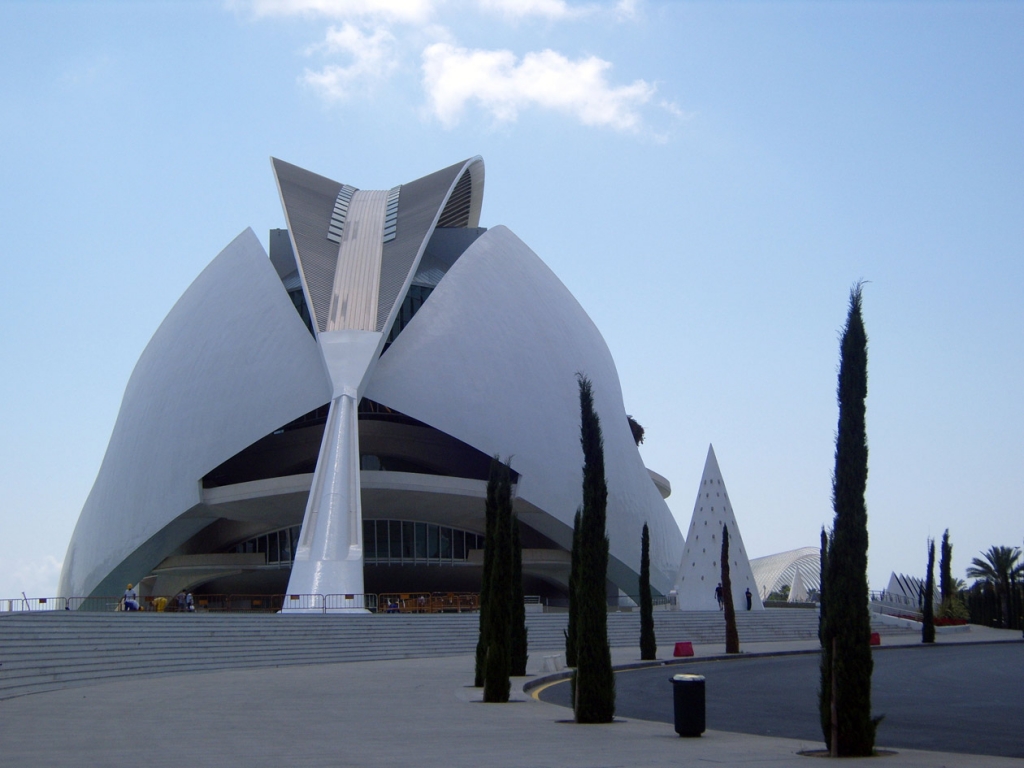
688,697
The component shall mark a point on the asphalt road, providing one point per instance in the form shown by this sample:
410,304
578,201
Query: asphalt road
948,698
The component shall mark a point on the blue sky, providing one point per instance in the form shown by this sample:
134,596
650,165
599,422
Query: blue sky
708,179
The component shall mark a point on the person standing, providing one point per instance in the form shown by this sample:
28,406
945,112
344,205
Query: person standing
750,599
718,596
190,603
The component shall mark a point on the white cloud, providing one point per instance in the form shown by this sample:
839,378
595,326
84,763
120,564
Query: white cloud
558,10
626,9
407,11
371,58
518,9
503,86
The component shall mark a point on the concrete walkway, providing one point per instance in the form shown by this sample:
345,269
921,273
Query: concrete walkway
417,712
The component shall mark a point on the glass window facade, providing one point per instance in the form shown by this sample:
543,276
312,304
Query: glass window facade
402,542
385,542
278,546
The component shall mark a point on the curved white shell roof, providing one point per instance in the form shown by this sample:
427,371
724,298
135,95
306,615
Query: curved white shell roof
231,362
491,358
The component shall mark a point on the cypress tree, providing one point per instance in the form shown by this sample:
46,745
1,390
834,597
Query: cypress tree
732,637
490,512
595,682
825,688
928,625
498,661
648,643
519,647
946,589
847,626
571,633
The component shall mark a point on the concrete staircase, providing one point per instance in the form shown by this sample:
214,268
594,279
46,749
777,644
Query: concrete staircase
43,651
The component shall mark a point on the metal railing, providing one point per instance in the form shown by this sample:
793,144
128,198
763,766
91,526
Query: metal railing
895,598
427,602
386,602
34,604
366,602
304,603
895,604
99,604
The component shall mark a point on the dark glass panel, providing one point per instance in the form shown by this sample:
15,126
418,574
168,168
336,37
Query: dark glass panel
395,539
421,541
446,543
369,539
459,545
407,541
432,545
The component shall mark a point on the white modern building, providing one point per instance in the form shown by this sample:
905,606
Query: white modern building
798,569
322,420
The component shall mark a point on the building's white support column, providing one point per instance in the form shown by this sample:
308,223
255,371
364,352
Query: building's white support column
329,558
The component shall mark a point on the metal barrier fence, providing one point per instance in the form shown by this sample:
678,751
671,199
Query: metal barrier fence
387,602
427,602
896,599
99,604
25,604
366,602
895,604
304,603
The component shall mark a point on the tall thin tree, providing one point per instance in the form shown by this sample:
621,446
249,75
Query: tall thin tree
648,643
732,637
571,631
825,687
519,645
947,588
498,661
490,513
847,628
595,682
928,624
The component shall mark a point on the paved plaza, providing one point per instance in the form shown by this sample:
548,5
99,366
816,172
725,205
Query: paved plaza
416,712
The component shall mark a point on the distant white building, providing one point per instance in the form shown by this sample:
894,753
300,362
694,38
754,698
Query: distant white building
797,567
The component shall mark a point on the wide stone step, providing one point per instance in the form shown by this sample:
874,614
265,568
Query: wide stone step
47,650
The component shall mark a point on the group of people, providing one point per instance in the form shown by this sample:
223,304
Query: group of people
183,601
721,599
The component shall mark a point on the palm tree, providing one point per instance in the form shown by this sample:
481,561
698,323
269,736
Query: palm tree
1000,567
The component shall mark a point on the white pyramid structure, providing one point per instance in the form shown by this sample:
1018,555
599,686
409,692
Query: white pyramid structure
700,571
798,592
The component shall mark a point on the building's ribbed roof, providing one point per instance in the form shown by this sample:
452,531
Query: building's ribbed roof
775,571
